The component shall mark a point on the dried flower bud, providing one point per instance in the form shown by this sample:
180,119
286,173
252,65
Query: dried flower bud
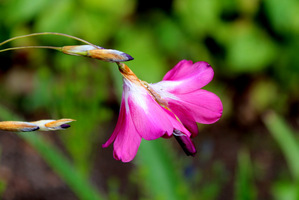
17,126
108,55
43,125
52,125
185,142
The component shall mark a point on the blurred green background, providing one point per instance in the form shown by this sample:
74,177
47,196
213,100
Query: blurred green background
251,153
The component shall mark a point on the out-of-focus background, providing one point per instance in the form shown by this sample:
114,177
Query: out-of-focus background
252,152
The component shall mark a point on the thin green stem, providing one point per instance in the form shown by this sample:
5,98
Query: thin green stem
31,47
47,33
121,66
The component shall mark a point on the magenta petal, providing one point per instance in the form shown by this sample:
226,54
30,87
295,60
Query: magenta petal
202,106
179,71
176,125
127,142
121,122
185,116
150,119
186,77
126,138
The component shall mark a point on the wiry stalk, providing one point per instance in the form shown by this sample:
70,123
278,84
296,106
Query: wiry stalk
47,33
42,47
31,47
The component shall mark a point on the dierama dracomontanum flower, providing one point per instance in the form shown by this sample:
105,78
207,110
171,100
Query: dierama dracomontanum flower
169,107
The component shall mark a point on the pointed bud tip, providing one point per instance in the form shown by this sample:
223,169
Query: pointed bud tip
128,57
185,142
110,55
100,53
65,126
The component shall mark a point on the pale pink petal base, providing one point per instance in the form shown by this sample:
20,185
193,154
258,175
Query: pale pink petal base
150,119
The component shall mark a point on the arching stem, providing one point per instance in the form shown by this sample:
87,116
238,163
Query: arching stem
47,33
32,47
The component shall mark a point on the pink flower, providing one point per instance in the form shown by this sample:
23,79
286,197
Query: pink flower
170,107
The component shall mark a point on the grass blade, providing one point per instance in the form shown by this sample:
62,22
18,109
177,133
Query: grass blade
287,141
245,189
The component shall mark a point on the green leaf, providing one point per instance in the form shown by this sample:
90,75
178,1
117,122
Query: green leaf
58,21
3,184
283,15
149,63
287,141
198,17
249,49
285,191
245,189
20,11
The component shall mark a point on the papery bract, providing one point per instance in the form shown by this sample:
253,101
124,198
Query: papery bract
52,125
93,51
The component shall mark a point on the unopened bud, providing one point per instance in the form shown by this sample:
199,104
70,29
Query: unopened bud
185,142
52,125
108,55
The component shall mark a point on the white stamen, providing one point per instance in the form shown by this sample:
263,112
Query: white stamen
178,133
160,89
